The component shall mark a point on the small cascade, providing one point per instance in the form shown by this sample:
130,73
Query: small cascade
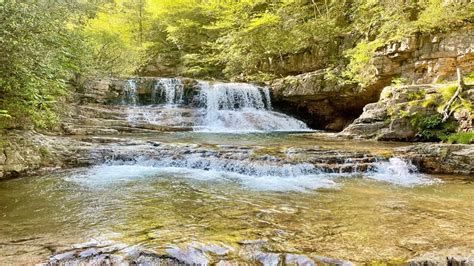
169,89
400,172
165,98
266,173
130,93
240,107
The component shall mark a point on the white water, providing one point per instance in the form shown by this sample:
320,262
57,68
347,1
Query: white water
225,107
130,92
166,95
240,107
171,89
399,172
262,176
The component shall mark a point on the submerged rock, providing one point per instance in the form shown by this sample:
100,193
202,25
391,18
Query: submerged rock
189,255
300,260
332,261
270,259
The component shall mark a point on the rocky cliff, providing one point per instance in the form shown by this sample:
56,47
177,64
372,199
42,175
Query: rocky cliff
413,113
421,59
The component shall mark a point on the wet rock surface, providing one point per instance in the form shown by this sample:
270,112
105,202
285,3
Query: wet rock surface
194,254
42,152
199,254
441,158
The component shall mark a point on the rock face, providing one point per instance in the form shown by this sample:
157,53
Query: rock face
394,116
421,59
320,102
426,59
25,152
441,158
19,152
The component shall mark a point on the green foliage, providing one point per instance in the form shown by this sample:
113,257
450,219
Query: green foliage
416,95
461,138
41,49
360,68
4,114
430,101
399,81
48,44
440,15
432,128
118,37
469,79
448,91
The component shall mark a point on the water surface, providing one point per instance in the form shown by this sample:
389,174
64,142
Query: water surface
360,220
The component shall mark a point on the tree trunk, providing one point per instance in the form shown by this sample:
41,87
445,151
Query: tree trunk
446,111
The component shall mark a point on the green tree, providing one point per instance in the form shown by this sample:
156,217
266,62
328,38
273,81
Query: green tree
41,49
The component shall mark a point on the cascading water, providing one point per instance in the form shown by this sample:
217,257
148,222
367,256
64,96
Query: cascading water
221,107
239,107
169,89
130,93
400,172
164,104
265,175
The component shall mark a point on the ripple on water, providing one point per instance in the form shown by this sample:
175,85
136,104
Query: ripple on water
260,177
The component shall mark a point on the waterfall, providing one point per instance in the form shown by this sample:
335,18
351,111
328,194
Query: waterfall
164,103
222,107
240,107
130,93
169,89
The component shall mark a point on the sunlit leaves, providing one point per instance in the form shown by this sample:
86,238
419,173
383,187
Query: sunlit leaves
38,55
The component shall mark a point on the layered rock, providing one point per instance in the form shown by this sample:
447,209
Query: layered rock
394,116
20,152
426,59
322,103
421,59
441,158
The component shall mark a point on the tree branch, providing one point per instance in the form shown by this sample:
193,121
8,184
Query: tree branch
446,110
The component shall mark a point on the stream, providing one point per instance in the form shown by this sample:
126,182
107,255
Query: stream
246,185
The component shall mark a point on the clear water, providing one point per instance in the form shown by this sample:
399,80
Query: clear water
388,215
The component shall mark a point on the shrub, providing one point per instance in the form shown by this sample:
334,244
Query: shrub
461,138
432,128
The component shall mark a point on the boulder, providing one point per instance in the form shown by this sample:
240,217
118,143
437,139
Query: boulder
393,116
437,158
